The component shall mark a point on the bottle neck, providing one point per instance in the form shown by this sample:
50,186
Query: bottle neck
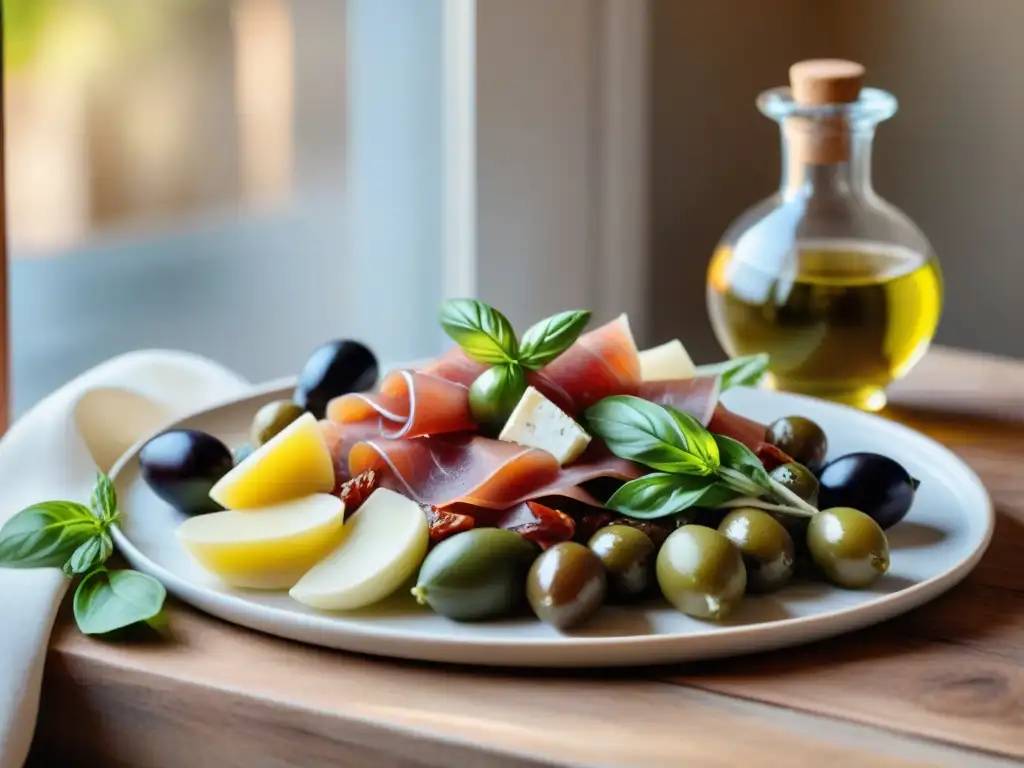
822,162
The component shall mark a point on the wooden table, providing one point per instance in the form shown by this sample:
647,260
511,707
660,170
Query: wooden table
943,685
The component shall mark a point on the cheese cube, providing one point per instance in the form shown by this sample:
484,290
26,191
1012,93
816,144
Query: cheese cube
668,361
539,423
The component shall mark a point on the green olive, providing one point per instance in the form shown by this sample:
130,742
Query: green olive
477,574
801,439
271,419
494,395
799,479
848,546
566,585
766,547
628,555
701,572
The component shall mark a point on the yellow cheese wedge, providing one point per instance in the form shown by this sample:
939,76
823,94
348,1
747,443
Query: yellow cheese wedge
266,548
296,462
665,362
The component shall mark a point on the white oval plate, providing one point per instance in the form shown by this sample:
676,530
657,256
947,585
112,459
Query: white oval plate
936,545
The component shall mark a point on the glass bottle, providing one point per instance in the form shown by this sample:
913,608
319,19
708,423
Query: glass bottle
839,287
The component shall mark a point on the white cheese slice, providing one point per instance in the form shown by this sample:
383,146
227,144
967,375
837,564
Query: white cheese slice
539,423
667,361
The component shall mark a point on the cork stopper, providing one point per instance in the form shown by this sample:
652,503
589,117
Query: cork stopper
819,82
825,81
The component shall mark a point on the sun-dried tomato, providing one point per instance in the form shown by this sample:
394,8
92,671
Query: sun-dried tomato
771,456
444,523
550,526
357,490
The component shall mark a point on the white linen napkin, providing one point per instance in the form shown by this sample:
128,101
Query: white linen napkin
53,452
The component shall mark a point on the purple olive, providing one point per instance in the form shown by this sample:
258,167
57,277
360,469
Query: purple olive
335,368
182,465
876,485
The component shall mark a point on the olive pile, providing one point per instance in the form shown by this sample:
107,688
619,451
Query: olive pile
702,561
182,465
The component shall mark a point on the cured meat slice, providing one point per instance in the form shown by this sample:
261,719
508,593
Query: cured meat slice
448,470
408,404
602,362
697,397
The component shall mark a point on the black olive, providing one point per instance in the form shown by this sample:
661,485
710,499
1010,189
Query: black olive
335,368
876,485
182,465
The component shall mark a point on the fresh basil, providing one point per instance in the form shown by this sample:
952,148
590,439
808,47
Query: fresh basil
46,535
92,554
738,372
549,338
484,334
109,600
104,498
660,494
694,467
642,431
735,455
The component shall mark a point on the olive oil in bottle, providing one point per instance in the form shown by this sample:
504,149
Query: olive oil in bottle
842,322
838,286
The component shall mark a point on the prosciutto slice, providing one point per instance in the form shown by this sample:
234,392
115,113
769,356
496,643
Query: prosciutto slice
408,404
697,397
601,363
448,470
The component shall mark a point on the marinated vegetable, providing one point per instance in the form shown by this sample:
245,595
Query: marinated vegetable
701,572
801,439
271,419
182,465
799,479
475,575
848,546
765,545
335,368
628,555
874,484
566,585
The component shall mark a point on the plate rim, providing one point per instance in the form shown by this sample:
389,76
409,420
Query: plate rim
780,633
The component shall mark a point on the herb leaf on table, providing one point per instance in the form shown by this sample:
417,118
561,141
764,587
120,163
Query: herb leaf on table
738,372
76,539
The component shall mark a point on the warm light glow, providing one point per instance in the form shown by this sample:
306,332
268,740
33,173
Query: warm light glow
264,77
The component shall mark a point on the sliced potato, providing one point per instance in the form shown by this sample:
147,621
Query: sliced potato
385,543
294,463
266,548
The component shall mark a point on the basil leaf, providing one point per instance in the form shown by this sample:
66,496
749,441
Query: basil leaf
738,372
108,600
549,338
735,455
484,334
93,553
45,535
646,433
699,440
659,495
104,498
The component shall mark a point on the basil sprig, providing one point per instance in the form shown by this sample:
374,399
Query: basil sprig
487,336
76,538
739,372
695,467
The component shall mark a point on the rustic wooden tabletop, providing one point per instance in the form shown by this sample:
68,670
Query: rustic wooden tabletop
943,685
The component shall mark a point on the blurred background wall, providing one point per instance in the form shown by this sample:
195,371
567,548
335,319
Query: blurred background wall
952,158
